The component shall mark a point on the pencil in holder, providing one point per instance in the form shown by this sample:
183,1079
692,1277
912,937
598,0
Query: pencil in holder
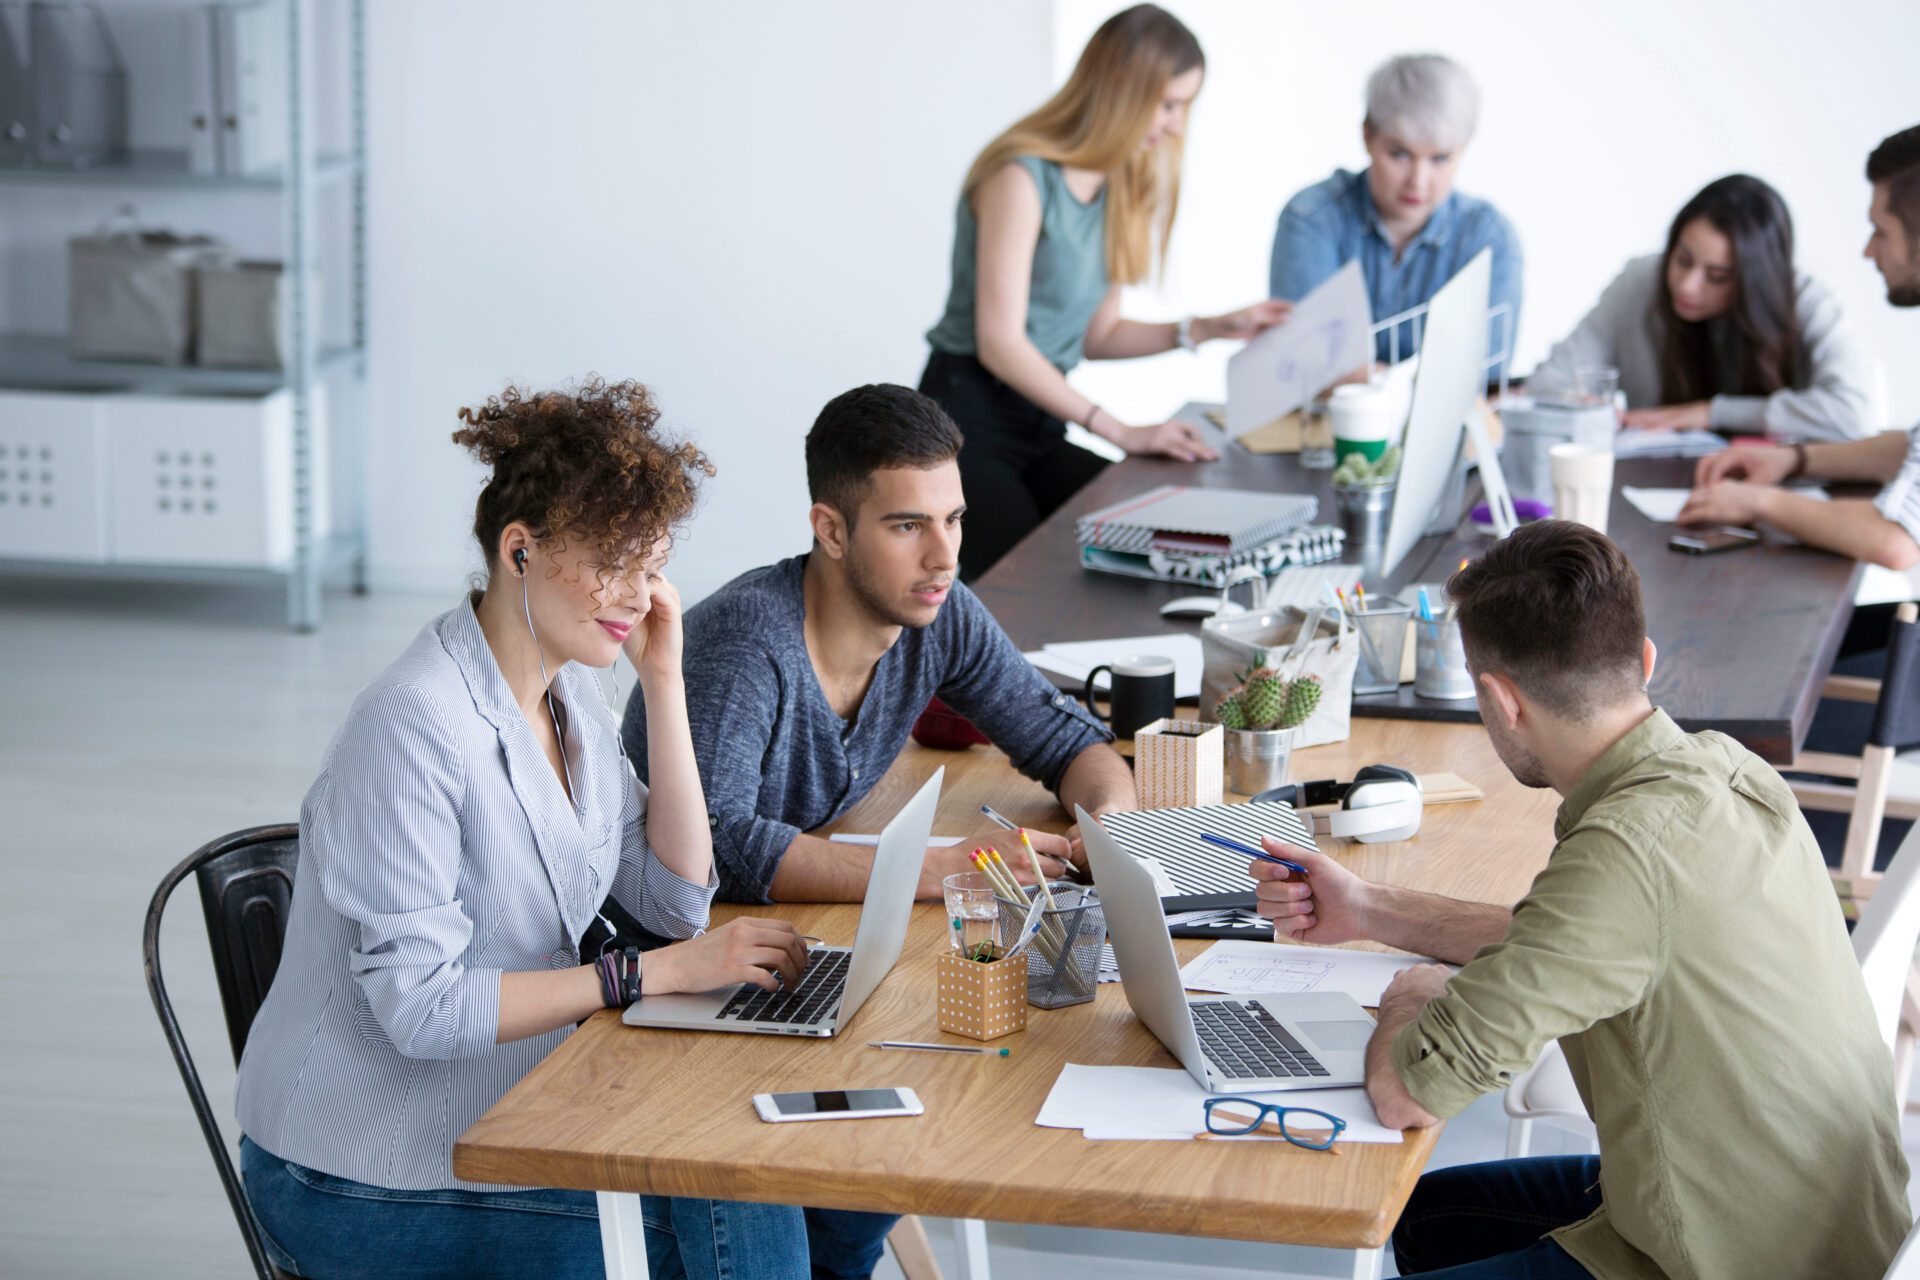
980,999
1063,960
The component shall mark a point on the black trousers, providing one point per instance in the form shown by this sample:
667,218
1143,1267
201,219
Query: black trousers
1016,465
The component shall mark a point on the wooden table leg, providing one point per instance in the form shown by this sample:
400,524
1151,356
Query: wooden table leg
1368,1264
623,1235
973,1249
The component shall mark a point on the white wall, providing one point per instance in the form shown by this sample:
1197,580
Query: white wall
1597,123
747,206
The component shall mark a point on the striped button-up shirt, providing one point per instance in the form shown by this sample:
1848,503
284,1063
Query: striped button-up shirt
438,850
1900,500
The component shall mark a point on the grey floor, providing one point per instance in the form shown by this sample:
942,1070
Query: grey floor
138,721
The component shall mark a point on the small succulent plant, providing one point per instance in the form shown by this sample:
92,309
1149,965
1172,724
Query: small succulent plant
1263,700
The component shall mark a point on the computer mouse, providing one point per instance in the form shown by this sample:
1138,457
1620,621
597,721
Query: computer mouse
1201,607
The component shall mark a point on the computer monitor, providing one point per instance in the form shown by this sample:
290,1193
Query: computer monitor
1446,391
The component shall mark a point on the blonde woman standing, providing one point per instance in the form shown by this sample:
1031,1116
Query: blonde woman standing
1056,214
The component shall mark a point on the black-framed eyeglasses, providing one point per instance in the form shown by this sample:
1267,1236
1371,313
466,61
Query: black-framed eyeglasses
1302,1126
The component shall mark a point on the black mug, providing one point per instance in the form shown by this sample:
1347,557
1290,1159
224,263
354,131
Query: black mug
1142,693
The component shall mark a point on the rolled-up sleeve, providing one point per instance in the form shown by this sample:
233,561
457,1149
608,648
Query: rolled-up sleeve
1040,728
389,852
665,903
1584,945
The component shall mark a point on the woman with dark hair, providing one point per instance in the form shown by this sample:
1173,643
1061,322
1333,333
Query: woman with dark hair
1057,213
1720,332
470,817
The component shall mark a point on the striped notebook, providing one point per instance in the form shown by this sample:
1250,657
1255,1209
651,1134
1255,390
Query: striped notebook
1177,520
1172,838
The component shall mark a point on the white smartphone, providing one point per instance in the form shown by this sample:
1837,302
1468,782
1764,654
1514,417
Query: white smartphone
837,1104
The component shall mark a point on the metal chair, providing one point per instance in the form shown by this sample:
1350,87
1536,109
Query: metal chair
246,886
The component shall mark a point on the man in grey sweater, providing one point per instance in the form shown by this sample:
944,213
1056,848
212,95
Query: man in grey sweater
1742,486
804,677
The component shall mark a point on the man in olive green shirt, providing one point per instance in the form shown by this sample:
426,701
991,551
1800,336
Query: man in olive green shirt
1683,945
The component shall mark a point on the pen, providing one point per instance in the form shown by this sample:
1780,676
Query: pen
994,817
940,1048
1426,606
1250,851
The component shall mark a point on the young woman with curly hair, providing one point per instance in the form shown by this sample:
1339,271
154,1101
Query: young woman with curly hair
469,819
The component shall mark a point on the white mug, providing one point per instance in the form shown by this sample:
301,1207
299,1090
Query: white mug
1582,483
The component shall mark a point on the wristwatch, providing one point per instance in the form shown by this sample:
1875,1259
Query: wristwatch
1799,460
630,977
1183,335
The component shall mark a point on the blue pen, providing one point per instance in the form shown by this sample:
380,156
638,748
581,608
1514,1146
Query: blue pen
1250,851
1426,606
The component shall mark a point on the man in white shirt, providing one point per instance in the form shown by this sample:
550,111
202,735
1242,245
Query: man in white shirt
1742,485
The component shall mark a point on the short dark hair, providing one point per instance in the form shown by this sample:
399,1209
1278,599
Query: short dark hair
1896,162
878,427
1556,608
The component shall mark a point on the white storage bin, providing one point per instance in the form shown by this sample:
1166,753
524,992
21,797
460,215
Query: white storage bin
208,480
53,476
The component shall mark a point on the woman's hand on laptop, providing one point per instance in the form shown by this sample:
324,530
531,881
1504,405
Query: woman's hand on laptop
757,949
1328,904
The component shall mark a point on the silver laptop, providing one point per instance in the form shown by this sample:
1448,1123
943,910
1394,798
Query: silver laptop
1309,1040
838,980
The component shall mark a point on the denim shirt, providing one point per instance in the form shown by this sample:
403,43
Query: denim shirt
1332,222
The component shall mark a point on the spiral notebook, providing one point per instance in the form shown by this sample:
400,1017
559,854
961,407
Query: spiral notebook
1177,520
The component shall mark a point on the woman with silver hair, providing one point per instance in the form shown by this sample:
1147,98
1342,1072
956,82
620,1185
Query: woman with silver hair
1400,216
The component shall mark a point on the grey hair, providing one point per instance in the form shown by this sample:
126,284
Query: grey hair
1423,98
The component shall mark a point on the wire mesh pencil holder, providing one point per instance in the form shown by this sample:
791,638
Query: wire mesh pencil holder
1063,960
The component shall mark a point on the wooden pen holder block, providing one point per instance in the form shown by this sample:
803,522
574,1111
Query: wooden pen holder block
981,999
1178,764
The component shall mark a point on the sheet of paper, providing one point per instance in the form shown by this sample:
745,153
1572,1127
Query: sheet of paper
1075,659
1154,1103
1236,968
1635,443
855,837
1325,338
1662,506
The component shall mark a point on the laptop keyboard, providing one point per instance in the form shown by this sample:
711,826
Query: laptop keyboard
1245,1042
817,996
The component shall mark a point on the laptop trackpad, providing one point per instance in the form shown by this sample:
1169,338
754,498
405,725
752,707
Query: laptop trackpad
1347,1033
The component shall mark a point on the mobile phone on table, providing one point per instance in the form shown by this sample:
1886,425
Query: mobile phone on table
837,1104
1705,542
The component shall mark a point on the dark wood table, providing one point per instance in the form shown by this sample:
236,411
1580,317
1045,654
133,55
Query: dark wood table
1745,638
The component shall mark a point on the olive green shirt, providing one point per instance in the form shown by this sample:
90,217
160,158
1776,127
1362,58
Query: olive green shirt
1685,946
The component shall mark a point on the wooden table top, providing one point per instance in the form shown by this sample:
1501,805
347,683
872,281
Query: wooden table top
1745,638
624,1109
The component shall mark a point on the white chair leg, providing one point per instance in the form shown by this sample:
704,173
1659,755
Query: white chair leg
623,1235
1368,1264
973,1249
1519,1137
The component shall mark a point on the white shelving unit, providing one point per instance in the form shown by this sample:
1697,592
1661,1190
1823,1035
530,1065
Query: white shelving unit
287,455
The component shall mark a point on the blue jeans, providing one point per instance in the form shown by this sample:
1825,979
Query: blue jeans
328,1228
1489,1221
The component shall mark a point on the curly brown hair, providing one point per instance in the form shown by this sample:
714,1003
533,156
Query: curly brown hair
584,464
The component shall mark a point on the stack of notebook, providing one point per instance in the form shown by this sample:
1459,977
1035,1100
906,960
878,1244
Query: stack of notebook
1205,536
1205,889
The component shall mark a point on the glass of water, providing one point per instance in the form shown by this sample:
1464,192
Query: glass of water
1316,437
973,916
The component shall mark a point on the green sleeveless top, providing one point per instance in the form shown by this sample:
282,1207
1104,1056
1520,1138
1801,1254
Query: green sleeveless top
1069,271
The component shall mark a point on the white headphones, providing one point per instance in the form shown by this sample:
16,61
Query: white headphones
1382,804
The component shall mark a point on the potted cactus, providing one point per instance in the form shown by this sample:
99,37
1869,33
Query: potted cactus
1260,718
